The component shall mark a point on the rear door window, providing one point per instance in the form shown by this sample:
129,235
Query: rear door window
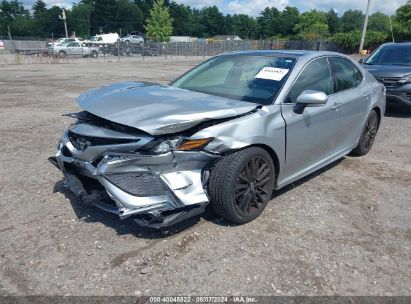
346,75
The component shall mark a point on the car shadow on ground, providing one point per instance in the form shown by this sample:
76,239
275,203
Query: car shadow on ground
398,110
91,214
287,188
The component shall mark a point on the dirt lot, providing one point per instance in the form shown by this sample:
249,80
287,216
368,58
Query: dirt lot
344,231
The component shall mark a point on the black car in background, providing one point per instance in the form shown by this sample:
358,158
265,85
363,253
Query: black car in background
391,65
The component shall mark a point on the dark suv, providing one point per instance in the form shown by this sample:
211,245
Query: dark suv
391,65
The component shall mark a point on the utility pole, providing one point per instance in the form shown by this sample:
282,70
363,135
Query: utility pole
63,17
364,29
11,40
392,32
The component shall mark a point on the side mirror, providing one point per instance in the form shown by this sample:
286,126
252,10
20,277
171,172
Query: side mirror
312,98
362,60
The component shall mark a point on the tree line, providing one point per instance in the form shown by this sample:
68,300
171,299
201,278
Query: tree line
89,17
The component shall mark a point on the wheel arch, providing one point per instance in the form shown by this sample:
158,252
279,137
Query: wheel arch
274,158
273,155
379,114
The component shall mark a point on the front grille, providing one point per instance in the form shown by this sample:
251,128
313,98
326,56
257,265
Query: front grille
81,142
137,183
390,82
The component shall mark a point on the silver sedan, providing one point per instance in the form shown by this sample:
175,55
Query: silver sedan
226,133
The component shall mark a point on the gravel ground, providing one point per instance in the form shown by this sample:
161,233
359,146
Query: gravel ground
343,231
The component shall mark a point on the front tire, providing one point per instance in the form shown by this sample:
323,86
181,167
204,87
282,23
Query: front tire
241,185
368,135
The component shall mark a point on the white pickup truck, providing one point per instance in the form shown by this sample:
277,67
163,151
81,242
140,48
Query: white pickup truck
73,49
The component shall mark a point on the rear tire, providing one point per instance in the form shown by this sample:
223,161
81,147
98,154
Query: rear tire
93,54
62,54
368,135
241,185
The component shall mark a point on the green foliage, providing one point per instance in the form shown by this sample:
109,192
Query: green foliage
334,22
402,22
182,19
312,25
351,41
159,25
80,19
87,16
352,20
269,21
243,26
39,8
129,16
21,25
288,18
379,22
212,20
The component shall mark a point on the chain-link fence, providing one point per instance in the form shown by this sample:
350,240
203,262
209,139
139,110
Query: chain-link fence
38,51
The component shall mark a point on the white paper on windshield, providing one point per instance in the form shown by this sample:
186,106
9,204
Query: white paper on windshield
271,73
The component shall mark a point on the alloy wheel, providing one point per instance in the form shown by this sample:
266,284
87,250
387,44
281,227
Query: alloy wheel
253,186
371,129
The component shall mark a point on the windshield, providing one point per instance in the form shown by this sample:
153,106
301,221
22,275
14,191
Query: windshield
243,77
391,55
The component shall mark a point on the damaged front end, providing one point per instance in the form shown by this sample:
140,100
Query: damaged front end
155,180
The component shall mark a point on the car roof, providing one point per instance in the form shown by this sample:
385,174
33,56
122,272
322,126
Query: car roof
397,44
293,53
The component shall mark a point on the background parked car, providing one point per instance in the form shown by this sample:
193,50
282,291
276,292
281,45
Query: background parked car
74,49
132,39
62,41
390,64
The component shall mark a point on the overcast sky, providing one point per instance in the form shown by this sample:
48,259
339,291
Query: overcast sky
254,7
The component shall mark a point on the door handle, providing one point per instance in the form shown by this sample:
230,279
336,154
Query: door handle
337,106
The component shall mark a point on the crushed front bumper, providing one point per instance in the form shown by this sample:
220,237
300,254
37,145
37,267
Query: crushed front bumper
154,189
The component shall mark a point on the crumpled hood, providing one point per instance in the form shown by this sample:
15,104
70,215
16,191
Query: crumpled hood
158,109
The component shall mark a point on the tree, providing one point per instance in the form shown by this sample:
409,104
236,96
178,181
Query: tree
379,22
212,20
21,26
269,21
198,28
334,22
244,26
182,19
80,19
288,18
352,20
103,15
312,25
39,8
14,14
402,22
159,25
53,24
128,16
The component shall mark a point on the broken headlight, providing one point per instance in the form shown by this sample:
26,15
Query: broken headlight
181,144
